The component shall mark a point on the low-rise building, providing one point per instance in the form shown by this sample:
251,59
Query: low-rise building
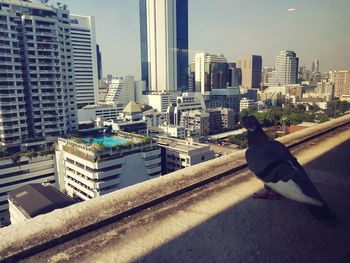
154,119
246,104
345,98
32,200
21,169
109,111
174,131
138,127
178,154
91,167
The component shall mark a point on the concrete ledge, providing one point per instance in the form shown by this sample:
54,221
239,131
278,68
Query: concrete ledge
50,228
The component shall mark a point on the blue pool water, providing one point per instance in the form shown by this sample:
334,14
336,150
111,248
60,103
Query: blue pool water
107,141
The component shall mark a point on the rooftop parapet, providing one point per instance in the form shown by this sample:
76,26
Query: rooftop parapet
50,229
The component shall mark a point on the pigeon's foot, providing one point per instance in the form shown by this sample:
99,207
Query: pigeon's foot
270,195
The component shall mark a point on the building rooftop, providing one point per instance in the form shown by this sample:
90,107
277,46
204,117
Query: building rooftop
204,213
181,145
132,107
36,199
27,3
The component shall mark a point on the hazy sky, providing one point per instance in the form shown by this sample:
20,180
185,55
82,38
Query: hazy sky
315,29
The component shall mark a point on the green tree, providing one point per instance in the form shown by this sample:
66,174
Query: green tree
322,118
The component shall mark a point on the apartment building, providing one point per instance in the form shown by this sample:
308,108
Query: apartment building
196,123
95,167
37,87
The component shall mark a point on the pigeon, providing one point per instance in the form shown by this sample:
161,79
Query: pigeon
280,171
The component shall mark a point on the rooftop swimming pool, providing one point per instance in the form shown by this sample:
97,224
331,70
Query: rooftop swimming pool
107,141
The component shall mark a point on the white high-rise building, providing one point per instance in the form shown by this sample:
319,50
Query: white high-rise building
121,90
83,38
37,89
164,44
286,69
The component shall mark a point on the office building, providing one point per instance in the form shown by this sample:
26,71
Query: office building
83,39
159,101
234,76
325,90
37,88
108,111
266,75
286,69
103,88
221,119
20,170
223,98
251,71
179,154
215,121
109,78
341,81
47,199
164,44
315,67
186,102
210,72
121,90
89,170
99,62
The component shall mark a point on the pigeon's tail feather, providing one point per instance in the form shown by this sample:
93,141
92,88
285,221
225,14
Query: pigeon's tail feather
323,213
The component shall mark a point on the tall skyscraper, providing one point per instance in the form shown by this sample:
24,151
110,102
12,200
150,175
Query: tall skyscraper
315,67
251,70
99,62
164,44
37,89
85,59
210,72
286,69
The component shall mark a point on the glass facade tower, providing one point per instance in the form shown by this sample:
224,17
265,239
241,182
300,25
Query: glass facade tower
164,44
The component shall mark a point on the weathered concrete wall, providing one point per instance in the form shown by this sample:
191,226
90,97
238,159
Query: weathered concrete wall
62,222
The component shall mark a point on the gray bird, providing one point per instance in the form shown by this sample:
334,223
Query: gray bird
273,163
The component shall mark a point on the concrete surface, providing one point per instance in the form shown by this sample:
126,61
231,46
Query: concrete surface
46,228
222,223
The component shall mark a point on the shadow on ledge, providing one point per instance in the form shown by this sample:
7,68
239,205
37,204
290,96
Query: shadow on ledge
274,231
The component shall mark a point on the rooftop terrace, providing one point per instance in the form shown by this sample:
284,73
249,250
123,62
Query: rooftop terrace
204,213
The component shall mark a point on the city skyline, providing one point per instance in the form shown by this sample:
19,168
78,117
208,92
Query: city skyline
117,27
